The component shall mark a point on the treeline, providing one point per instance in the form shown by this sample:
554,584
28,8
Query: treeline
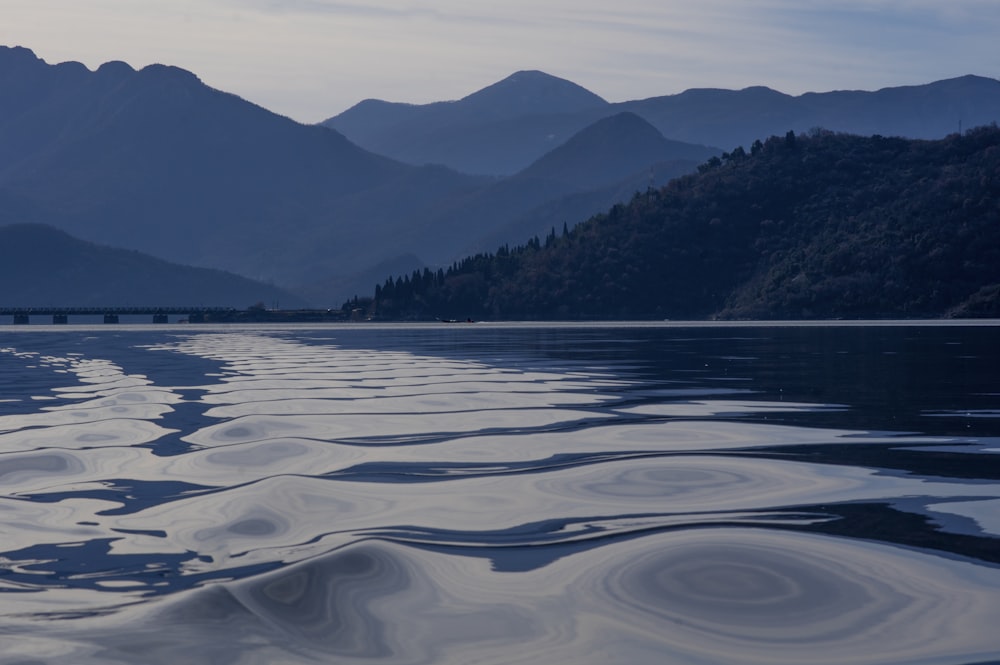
817,226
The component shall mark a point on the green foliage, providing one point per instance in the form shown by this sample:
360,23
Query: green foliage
809,226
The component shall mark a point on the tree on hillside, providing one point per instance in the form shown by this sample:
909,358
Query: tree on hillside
819,225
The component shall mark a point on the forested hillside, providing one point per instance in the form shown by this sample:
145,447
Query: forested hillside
819,226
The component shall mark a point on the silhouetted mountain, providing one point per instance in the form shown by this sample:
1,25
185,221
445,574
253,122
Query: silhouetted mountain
498,130
611,150
528,93
43,266
732,118
712,117
601,165
155,160
819,226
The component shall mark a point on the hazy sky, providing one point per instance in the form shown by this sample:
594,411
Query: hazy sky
311,59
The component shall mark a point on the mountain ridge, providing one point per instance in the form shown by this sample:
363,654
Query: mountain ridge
156,158
455,133
46,266
611,149
531,92
703,116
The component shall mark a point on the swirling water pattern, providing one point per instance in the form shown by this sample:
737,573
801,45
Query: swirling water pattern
500,494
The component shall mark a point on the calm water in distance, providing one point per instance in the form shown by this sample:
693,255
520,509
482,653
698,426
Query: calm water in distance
473,493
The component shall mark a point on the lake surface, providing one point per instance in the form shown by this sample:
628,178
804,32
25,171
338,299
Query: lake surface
479,493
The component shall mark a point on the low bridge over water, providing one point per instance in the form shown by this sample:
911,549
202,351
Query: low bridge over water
61,315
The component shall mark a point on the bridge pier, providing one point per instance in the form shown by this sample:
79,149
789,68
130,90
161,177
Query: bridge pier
20,319
111,318
160,318
59,319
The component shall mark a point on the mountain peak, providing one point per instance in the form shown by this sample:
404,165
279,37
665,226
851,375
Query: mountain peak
625,121
15,62
115,68
169,73
17,54
610,150
532,92
533,77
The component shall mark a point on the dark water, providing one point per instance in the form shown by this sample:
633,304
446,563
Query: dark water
500,494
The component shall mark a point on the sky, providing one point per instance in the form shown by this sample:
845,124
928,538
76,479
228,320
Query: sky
312,59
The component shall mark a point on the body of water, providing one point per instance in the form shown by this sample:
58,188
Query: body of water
474,493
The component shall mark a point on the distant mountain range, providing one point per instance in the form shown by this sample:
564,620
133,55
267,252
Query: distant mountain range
45,267
511,136
497,130
155,161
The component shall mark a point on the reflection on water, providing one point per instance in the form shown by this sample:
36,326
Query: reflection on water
500,494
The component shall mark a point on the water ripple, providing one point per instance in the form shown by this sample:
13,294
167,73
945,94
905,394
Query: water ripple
760,596
451,496
112,432
721,595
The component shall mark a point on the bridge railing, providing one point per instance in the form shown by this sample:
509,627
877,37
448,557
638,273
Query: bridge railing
61,315
90,310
